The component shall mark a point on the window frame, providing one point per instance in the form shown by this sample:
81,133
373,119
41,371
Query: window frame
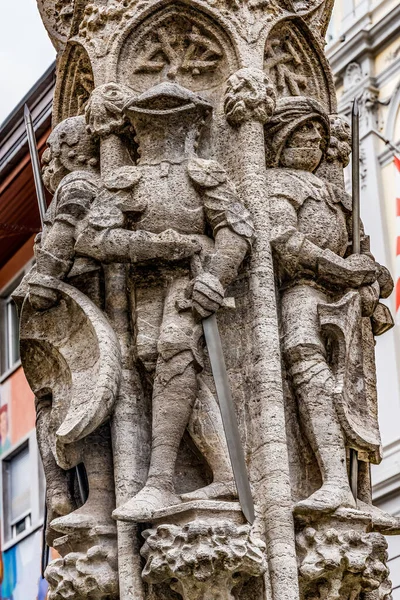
6,369
8,540
37,480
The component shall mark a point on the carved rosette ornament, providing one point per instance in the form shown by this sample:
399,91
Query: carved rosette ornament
197,164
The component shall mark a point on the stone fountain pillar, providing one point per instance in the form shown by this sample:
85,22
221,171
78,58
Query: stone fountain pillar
196,163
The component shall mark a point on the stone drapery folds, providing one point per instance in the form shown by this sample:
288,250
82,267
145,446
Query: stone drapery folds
196,163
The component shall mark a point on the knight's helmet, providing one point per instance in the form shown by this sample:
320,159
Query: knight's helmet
167,115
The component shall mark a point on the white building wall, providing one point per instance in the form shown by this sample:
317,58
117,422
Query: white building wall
364,51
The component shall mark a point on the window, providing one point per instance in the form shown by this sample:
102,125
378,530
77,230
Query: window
22,491
9,325
10,342
17,494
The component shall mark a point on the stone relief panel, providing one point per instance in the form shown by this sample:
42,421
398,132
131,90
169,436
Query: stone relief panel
147,238
322,340
295,65
179,46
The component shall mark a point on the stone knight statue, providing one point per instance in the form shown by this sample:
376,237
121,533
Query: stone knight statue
196,166
311,239
174,187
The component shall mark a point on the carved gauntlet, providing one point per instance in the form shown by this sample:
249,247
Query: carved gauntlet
41,297
298,254
207,295
48,264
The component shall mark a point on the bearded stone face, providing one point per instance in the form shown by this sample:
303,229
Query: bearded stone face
249,94
104,114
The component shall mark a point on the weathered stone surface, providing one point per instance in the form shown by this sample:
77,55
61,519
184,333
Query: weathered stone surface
338,559
200,560
90,570
197,168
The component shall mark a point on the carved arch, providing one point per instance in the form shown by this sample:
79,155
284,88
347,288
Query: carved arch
60,18
178,43
75,82
296,64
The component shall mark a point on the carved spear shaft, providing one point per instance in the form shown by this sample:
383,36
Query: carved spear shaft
356,248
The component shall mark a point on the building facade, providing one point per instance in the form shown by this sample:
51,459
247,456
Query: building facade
364,51
21,476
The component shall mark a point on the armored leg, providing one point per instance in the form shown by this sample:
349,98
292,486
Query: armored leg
313,384
206,430
97,509
174,393
59,486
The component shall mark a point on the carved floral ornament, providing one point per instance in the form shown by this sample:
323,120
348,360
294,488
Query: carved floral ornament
98,22
333,562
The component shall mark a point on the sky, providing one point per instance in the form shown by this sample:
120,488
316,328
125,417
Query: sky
25,51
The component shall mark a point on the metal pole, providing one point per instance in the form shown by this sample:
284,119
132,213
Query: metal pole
355,123
37,174
356,248
82,482
45,547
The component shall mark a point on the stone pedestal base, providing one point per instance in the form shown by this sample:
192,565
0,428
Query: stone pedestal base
340,558
202,550
89,568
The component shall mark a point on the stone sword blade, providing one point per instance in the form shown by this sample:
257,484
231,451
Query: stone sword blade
229,420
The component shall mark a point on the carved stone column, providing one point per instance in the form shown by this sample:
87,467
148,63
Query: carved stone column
197,164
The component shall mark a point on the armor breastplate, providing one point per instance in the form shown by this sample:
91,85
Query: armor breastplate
171,200
324,224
